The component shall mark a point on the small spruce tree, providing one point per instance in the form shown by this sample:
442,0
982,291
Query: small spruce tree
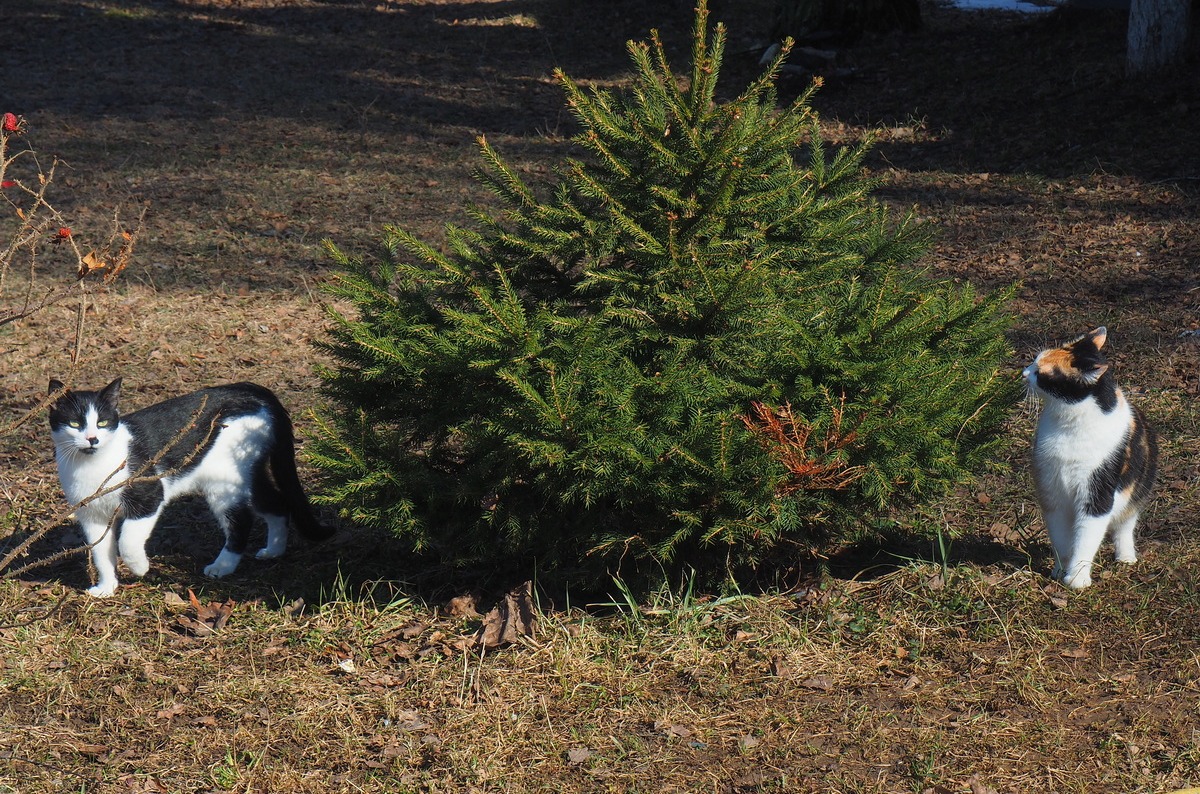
692,348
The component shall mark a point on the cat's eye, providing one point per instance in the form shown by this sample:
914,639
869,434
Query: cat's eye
103,423
75,425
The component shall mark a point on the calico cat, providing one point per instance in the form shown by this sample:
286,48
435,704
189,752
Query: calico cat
1094,456
233,445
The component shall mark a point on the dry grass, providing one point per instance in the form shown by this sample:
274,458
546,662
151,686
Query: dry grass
900,684
944,663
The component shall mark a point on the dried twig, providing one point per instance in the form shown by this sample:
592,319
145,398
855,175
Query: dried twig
42,227
813,464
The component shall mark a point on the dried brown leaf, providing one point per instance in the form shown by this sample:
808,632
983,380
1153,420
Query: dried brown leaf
513,618
673,729
89,263
463,606
205,619
92,749
171,711
978,787
818,682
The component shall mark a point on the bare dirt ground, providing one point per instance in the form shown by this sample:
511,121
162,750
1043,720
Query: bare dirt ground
251,130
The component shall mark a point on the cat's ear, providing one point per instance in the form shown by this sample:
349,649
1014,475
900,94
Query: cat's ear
111,393
1099,337
1093,375
56,386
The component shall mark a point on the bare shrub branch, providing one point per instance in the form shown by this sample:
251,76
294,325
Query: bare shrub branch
35,234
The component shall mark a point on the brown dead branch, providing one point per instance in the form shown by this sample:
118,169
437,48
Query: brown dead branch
813,463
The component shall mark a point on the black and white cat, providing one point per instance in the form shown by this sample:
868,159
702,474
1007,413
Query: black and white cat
233,445
1094,456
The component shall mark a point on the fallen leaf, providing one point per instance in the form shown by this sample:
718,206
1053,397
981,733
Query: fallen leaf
508,621
673,729
751,780
978,787
173,711
193,627
1075,653
463,606
294,609
817,682
204,619
413,629
174,601
383,680
410,722
577,755
464,643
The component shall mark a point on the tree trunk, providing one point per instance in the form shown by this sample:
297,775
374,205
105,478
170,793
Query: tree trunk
1158,32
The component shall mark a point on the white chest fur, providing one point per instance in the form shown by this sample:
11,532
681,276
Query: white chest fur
83,475
1075,439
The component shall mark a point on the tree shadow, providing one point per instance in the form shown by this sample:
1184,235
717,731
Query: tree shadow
878,557
349,566
1044,94
1006,93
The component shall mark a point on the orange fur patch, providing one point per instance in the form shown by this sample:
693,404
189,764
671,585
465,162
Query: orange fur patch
1058,359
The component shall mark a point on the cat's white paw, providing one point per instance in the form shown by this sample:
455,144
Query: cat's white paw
1128,559
225,564
269,552
1079,581
102,590
138,565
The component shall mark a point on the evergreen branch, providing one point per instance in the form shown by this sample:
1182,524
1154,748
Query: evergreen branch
500,176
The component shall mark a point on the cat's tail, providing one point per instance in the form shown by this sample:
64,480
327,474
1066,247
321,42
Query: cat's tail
282,463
